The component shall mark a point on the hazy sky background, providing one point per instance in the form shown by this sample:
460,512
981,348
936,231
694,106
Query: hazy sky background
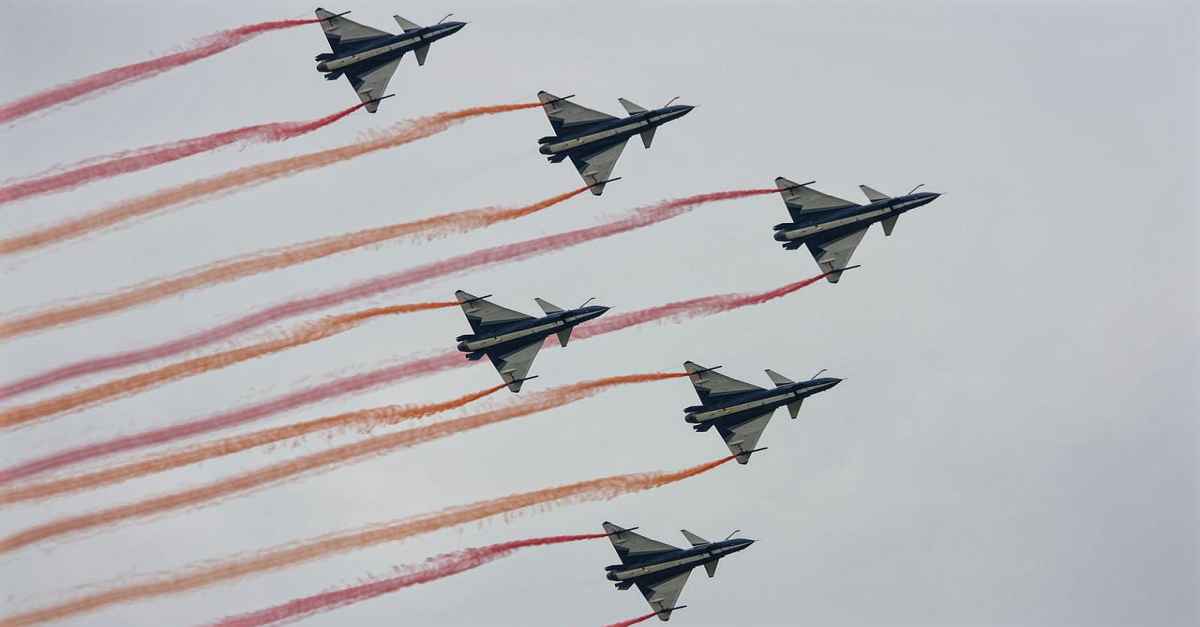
1016,440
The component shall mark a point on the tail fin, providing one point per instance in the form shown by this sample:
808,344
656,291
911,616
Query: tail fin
549,308
407,25
778,379
630,107
873,195
889,223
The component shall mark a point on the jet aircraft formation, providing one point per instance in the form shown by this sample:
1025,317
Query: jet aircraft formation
593,141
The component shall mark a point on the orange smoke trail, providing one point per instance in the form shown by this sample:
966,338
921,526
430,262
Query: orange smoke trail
242,178
303,334
322,459
432,569
641,218
96,168
273,259
207,574
363,418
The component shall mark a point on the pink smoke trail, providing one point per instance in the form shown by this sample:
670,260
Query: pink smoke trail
432,569
633,621
108,79
149,156
391,374
686,309
640,218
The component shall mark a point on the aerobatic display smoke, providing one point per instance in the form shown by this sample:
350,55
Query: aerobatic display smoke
142,158
209,573
390,374
302,334
264,261
643,217
241,178
633,621
364,419
326,459
432,569
686,309
231,418
108,79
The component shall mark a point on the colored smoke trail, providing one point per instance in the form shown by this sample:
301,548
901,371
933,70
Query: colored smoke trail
686,309
671,311
256,263
432,569
643,217
108,79
276,473
142,158
210,573
633,621
303,334
226,419
363,419
241,178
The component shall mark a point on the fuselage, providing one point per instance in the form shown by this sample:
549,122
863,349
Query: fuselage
383,49
674,562
523,331
850,219
757,402
611,132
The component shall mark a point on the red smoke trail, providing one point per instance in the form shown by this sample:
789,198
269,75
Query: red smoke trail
365,419
235,417
686,309
267,260
437,363
276,473
643,217
634,621
150,156
248,176
200,49
303,334
432,569
209,573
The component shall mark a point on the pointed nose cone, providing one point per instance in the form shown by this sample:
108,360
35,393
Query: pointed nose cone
454,27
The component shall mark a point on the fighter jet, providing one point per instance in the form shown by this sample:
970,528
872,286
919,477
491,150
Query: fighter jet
660,570
594,140
510,338
368,56
833,227
740,411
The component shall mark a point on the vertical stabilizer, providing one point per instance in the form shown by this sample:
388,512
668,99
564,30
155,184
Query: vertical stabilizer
778,379
547,307
422,53
406,25
872,194
648,136
631,108
694,539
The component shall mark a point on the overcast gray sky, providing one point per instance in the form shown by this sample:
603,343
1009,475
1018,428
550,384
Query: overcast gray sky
1016,440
